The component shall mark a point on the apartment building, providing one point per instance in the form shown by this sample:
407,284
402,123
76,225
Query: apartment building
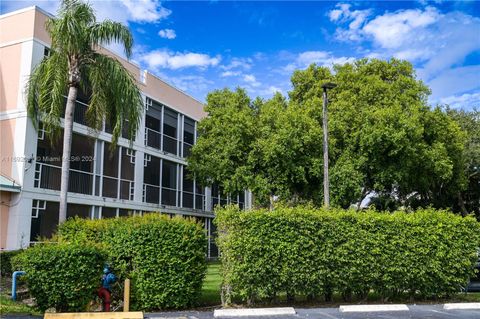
148,175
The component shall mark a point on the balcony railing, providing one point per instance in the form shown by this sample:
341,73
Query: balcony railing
127,189
187,200
151,193
152,138
110,187
170,144
169,196
79,115
186,149
49,177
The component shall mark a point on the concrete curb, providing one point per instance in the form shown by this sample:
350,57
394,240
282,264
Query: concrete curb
462,305
373,308
218,313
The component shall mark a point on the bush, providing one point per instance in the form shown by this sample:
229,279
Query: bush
309,252
6,268
164,257
63,276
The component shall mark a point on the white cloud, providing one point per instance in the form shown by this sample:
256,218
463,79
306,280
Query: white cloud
394,30
437,43
455,81
167,34
165,59
118,10
464,101
322,58
251,80
146,10
191,83
356,19
230,73
419,35
271,90
238,63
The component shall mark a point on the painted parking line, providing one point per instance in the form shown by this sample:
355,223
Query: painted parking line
246,312
462,306
373,308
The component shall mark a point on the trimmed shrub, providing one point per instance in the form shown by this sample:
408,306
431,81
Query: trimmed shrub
164,257
314,252
6,268
63,276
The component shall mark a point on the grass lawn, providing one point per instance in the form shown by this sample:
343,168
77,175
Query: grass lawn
211,286
211,294
7,306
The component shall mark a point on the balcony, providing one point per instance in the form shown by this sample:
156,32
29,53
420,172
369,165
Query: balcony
49,177
152,138
151,193
80,112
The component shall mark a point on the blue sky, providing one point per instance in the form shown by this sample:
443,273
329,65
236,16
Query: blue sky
204,45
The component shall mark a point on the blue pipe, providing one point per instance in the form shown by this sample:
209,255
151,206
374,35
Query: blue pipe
14,283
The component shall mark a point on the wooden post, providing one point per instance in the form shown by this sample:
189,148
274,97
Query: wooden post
126,296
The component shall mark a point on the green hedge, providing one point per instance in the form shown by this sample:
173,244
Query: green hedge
63,276
6,268
164,257
308,252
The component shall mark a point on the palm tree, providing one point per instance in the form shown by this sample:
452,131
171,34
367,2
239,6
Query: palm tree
74,64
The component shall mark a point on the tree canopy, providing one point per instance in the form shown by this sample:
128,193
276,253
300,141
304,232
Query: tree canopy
384,140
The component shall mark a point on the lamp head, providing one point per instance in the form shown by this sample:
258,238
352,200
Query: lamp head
328,85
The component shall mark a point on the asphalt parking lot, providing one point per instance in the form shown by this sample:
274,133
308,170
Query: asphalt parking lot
415,312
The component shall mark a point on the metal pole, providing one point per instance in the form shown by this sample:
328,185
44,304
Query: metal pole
126,296
326,182
14,283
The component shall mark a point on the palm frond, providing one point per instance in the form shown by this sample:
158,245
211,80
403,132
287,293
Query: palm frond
115,95
46,91
110,31
69,32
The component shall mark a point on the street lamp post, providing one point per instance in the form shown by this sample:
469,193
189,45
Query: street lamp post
326,182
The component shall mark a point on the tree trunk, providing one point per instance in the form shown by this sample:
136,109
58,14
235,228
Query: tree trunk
67,148
461,203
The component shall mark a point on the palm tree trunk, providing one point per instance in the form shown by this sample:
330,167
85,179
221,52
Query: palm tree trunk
67,148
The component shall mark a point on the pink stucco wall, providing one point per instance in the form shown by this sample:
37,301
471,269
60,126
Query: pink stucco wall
10,63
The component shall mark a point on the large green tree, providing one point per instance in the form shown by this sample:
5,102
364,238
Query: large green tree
384,139
469,198
75,63
225,141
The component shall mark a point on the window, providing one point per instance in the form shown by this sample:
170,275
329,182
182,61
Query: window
110,171
187,189
170,127
169,183
215,195
241,200
49,162
109,212
153,120
199,196
46,52
127,174
188,136
77,210
151,179
45,217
